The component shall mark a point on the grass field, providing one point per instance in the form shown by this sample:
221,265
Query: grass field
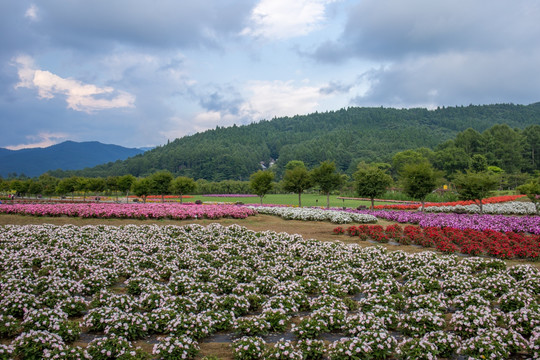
289,199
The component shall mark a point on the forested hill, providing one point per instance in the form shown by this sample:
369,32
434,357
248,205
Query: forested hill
345,136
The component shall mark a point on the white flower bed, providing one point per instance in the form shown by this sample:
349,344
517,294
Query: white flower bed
185,283
508,208
312,214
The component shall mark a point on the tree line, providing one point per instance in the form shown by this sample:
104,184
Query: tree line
416,177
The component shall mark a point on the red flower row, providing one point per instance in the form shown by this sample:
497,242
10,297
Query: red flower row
491,200
450,240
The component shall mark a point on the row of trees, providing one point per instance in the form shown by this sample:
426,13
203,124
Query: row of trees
416,176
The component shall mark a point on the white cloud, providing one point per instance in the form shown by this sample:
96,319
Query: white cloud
79,96
280,98
32,12
281,19
41,140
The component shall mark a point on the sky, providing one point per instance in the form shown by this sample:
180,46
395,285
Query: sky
138,73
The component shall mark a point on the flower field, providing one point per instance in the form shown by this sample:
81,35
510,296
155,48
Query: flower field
507,208
106,288
130,211
491,200
315,214
450,240
526,224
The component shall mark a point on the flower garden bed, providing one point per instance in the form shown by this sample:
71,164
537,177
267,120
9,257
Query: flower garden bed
524,224
507,208
451,240
180,285
491,200
130,211
315,214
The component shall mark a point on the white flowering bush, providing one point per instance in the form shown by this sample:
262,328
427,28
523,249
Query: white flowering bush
496,343
309,328
114,347
283,350
358,323
249,348
311,348
9,326
469,321
534,343
416,348
6,352
278,319
420,322
371,344
251,326
516,300
173,347
446,342
523,320
32,344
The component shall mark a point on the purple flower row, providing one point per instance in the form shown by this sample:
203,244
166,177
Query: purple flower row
130,211
527,224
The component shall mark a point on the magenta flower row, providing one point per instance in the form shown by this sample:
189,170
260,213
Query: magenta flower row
130,211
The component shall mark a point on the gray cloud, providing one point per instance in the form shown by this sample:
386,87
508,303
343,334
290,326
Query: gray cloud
335,87
103,23
394,29
454,79
216,102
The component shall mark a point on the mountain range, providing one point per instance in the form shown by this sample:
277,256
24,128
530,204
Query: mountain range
347,137
68,155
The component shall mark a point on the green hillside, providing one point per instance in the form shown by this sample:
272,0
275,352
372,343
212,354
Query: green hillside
346,136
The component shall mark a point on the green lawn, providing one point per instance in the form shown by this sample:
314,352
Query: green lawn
287,199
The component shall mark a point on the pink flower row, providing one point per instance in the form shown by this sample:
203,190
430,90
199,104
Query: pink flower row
130,211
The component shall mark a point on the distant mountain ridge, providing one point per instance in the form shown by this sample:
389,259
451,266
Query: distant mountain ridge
68,155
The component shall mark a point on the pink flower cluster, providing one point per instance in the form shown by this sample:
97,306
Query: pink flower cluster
130,211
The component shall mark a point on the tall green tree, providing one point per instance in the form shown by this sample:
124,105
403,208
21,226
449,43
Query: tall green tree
504,147
48,183
419,180
297,180
124,184
326,177
532,190
450,160
261,183
478,163
182,185
403,158
112,184
371,182
531,136
476,186
68,186
96,185
142,188
19,186
35,188
160,183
